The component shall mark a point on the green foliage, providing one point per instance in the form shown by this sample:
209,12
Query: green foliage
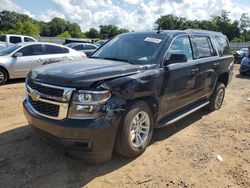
65,34
110,31
15,23
93,33
220,23
30,29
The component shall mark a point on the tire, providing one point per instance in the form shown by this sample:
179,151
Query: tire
128,143
217,97
3,76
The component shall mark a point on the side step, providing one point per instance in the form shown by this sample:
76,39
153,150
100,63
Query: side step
181,114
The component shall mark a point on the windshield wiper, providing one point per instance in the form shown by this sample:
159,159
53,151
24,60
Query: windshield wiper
115,59
110,58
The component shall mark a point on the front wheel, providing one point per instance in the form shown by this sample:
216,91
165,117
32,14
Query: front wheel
136,130
217,97
3,76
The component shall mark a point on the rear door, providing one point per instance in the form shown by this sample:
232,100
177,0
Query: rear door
180,82
31,57
54,54
207,58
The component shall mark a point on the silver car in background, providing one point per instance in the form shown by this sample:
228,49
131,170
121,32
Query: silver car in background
87,48
17,60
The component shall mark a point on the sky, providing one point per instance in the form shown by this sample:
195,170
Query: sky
130,14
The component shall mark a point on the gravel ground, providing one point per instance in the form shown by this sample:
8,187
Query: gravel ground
181,155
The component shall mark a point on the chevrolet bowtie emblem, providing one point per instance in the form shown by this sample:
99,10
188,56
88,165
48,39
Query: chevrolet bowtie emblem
34,96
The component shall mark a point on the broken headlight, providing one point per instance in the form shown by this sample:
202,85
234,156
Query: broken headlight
86,104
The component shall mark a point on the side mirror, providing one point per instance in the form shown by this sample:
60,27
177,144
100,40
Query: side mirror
18,54
176,58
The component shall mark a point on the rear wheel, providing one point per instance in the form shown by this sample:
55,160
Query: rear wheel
3,76
217,97
136,130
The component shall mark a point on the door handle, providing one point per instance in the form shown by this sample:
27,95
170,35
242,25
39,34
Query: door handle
216,64
194,71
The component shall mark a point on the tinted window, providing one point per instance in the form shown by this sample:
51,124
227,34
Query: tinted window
181,45
78,47
88,47
223,46
50,49
3,38
92,47
32,50
202,47
15,40
27,39
65,50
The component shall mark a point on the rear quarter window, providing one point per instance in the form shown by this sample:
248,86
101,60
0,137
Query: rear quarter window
223,46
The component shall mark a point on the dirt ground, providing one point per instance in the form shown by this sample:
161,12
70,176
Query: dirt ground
181,155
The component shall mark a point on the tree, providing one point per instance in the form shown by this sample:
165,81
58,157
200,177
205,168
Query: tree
65,34
93,33
244,24
120,31
110,30
224,25
74,30
57,26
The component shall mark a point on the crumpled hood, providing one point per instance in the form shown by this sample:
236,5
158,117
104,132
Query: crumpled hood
83,73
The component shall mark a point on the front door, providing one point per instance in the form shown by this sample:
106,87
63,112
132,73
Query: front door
31,57
180,83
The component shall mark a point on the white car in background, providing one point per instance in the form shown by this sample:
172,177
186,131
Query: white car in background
17,60
7,40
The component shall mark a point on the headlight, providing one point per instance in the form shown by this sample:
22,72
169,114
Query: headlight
87,104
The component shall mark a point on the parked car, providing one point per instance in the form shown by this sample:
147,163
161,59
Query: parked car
245,64
101,42
17,60
134,83
239,55
87,48
7,40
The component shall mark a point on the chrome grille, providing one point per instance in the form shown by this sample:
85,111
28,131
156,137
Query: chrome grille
48,100
45,108
55,92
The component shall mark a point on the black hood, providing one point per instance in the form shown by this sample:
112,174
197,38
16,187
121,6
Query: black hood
83,73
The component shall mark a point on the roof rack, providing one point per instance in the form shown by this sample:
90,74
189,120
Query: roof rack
203,31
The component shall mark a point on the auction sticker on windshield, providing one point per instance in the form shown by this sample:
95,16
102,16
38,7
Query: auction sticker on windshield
154,40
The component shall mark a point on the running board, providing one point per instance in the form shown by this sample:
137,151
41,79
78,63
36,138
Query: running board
174,119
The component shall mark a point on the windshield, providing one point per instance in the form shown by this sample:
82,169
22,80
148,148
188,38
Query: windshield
136,49
8,50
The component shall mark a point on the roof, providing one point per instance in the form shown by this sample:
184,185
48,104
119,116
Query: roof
29,43
170,32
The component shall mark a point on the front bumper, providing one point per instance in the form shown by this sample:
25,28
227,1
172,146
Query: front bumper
91,140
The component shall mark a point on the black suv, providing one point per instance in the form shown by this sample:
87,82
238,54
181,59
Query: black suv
134,83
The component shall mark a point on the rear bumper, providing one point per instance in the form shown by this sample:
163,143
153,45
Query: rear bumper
91,140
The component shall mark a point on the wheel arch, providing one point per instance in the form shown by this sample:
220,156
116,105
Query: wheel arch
6,70
150,101
223,78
